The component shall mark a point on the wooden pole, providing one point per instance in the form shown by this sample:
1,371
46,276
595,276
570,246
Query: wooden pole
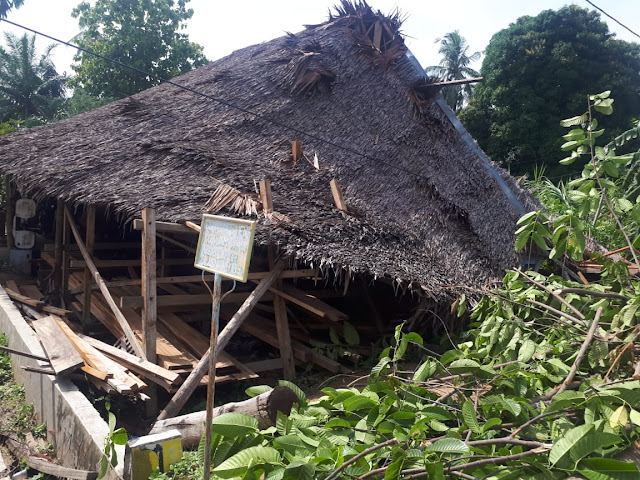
149,295
124,325
192,381
211,385
66,255
90,240
57,267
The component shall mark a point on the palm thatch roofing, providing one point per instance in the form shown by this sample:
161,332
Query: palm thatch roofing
424,206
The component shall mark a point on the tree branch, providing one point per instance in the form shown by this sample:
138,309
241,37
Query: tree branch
582,291
364,453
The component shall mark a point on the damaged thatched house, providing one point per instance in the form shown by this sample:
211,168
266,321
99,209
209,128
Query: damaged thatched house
418,203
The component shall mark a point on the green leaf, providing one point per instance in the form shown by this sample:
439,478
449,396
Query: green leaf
424,371
568,160
104,466
239,463
607,469
394,469
350,334
120,437
570,145
562,447
577,120
634,416
234,424
257,390
619,418
333,335
575,134
358,402
521,241
527,217
299,471
470,417
448,445
527,349
592,442
377,370
539,241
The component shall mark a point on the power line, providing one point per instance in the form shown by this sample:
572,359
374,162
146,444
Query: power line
220,101
612,18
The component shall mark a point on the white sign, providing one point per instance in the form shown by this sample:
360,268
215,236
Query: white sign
225,245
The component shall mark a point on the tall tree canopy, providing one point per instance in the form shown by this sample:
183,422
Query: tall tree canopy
539,70
454,66
140,33
6,5
30,87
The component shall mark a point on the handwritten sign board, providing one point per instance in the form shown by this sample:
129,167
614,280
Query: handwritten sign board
225,245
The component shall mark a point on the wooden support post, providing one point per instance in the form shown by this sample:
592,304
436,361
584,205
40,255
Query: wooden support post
66,256
122,321
265,196
296,150
90,241
190,384
149,293
10,213
337,195
149,299
57,267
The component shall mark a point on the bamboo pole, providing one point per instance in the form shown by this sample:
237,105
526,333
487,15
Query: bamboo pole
126,328
90,241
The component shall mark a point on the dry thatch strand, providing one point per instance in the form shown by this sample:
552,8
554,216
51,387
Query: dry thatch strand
428,211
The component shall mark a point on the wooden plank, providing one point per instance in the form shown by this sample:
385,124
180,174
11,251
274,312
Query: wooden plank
187,388
90,240
161,376
302,273
338,199
265,196
23,298
310,303
149,290
50,247
66,256
96,373
58,246
11,284
282,327
164,227
23,354
176,243
41,370
62,355
31,291
103,288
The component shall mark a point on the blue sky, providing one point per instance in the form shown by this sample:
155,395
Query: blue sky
222,27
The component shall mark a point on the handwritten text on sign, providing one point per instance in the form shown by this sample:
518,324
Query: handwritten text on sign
224,246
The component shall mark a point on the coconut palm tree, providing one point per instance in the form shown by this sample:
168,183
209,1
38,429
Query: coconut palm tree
6,5
30,87
454,66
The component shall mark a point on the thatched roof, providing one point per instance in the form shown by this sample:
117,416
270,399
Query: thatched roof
425,208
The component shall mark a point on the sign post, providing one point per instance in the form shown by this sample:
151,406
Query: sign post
224,248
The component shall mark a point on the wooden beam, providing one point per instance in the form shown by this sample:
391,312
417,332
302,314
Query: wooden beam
149,291
62,356
90,240
75,264
296,150
66,256
310,303
8,185
23,354
176,243
164,227
126,328
302,273
456,82
57,268
186,300
377,35
265,196
187,388
282,327
338,199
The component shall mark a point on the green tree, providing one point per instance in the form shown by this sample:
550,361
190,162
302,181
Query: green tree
454,66
30,87
140,33
6,5
539,68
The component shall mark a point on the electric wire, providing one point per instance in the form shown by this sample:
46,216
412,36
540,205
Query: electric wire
221,101
612,18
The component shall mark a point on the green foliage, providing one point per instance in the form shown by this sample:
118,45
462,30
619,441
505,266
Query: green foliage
143,34
454,66
6,5
538,69
115,437
30,87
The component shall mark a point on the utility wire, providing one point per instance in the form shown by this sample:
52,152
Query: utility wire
220,101
612,18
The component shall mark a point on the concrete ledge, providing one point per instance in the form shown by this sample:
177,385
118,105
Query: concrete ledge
74,427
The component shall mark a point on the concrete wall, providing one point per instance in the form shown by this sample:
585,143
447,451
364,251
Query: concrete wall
75,428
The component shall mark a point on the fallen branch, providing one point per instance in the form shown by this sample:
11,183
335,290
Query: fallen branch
581,353
558,312
555,295
582,291
362,454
